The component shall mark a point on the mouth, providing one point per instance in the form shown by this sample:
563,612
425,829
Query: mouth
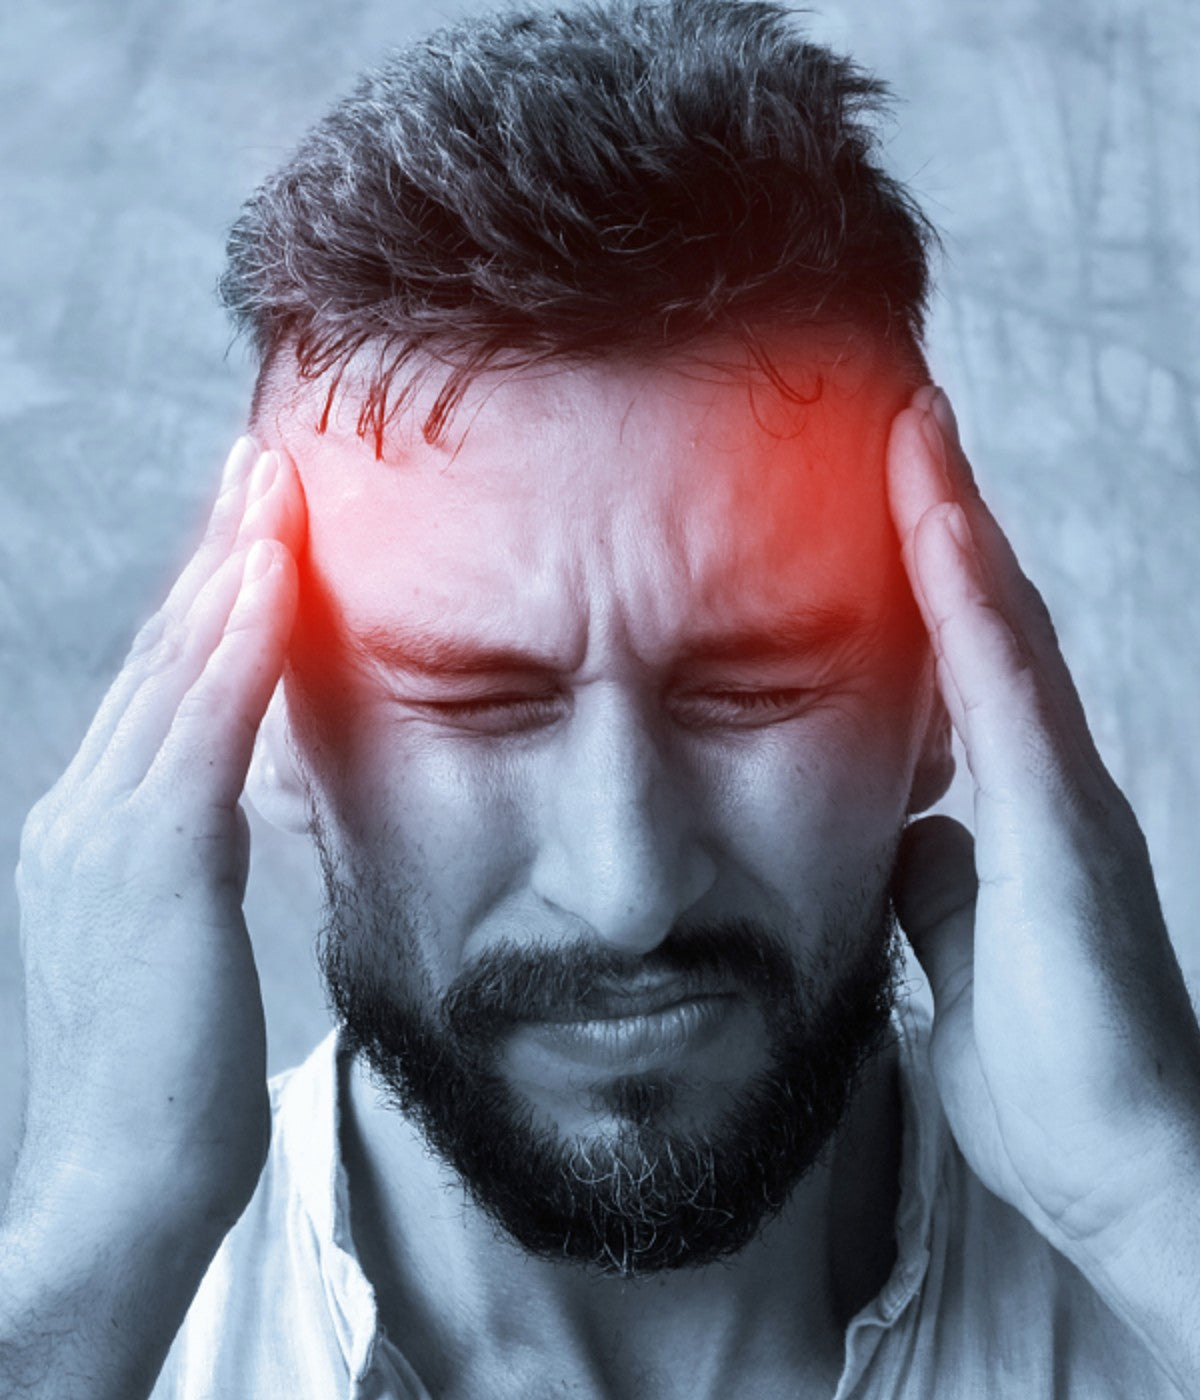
634,1030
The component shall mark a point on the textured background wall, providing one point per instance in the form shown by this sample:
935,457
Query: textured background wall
1056,144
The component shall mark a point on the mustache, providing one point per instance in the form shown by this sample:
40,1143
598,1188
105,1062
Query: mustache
511,983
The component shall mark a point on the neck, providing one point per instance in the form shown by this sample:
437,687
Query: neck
465,1303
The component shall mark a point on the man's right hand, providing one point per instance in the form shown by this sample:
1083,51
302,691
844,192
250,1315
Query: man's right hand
147,1117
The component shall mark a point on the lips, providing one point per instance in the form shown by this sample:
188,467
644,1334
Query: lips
630,1000
633,1028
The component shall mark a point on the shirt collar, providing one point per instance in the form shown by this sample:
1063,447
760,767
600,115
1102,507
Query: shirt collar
307,1133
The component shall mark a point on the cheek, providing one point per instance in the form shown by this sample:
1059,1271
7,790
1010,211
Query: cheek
446,818
421,813
815,807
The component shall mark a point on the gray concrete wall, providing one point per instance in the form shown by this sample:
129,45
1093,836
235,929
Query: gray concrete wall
1056,144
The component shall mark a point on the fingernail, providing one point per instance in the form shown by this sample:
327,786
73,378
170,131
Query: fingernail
954,462
956,523
935,441
939,406
242,455
258,561
264,474
922,400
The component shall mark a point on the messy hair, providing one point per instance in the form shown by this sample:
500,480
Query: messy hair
567,184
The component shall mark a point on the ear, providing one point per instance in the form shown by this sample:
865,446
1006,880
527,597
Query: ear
935,761
273,783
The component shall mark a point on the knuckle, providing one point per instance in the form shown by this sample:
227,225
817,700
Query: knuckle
24,877
159,645
80,851
170,648
148,637
39,832
36,825
246,618
198,708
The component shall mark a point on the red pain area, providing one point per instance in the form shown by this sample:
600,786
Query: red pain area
669,528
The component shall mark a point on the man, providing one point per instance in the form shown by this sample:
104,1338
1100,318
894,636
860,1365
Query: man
625,573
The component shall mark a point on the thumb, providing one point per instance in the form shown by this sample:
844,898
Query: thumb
933,889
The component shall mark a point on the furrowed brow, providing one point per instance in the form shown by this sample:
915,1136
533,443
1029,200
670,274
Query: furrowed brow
799,633
444,656
432,654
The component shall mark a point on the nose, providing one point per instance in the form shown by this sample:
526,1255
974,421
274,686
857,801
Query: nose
618,844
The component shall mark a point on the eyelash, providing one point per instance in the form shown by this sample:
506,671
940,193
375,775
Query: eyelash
525,710
754,705
754,699
530,711
490,703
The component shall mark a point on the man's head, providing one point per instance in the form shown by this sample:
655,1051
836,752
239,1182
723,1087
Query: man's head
607,179
608,692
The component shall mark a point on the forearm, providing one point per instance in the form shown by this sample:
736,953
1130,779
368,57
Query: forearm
92,1293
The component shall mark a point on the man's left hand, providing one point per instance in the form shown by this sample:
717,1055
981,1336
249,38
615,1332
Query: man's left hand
1065,1047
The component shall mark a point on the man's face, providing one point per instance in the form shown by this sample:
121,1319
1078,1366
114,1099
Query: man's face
611,708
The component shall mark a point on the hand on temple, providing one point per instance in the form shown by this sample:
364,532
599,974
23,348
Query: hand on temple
1065,1047
147,1115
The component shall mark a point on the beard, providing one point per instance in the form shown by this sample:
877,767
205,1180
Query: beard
648,1195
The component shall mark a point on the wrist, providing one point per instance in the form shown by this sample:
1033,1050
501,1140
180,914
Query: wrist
94,1284
1146,1265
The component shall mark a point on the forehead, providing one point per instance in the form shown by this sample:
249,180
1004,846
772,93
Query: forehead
642,496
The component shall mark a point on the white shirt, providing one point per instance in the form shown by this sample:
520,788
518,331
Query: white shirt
977,1304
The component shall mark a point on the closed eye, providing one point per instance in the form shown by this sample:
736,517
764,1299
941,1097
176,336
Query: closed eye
494,714
505,713
742,708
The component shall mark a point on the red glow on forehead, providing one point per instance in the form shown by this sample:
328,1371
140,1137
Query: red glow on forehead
657,505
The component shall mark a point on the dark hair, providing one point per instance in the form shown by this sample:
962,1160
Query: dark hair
548,184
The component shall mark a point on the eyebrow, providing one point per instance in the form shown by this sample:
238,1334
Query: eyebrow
798,632
424,652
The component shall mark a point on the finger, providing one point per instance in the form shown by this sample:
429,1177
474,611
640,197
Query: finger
207,750
265,503
247,475
928,467
928,475
935,892
276,511
275,514
241,477
1014,592
153,693
916,478
934,889
268,506
1019,746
